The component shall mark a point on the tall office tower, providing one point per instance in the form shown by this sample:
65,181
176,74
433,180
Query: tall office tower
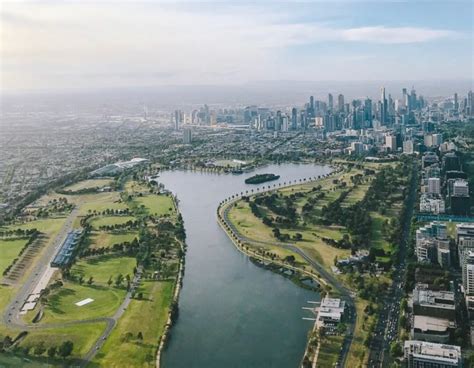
294,118
391,107
310,109
285,123
177,119
405,98
412,101
303,120
383,110
368,112
330,102
278,121
187,136
340,103
470,104
456,103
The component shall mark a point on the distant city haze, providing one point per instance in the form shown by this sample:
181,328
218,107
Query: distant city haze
47,46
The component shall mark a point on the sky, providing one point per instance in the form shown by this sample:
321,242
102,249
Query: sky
107,44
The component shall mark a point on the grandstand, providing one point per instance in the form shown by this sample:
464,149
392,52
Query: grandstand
66,251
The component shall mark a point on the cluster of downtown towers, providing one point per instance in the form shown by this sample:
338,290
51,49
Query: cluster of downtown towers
330,115
337,115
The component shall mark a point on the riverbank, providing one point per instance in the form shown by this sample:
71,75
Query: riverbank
242,245
320,222
172,314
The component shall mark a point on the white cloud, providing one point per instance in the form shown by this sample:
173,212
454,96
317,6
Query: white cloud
395,35
80,44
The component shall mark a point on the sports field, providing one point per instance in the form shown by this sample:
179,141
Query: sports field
61,306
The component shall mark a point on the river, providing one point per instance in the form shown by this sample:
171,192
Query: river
231,312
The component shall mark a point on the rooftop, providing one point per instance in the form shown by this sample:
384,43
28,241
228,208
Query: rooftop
442,352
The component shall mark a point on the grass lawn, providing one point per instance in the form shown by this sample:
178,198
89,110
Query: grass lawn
153,308
377,239
135,187
47,226
323,253
9,250
249,225
356,195
100,239
6,292
61,305
329,351
87,184
99,221
83,336
358,354
100,202
102,268
158,205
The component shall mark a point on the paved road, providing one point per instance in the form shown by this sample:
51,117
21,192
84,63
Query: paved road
387,325
346,294
11,313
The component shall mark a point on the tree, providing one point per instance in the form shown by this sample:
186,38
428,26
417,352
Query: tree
298,237
396,349
39,349
341,328
127,337
140,336
52,351
90,281
65,349
118,280
7,341
110,281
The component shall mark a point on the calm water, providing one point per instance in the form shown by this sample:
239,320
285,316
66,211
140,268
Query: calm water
232,313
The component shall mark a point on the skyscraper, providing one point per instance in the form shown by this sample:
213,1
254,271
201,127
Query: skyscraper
383,110
311,107
405,98
456,103
340,103
412,100
330,102
368,112
177,119
278,122
294,118
470,104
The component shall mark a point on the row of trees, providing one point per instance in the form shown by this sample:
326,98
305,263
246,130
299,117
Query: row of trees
64,350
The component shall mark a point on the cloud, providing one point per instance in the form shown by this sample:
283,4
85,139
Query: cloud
145,43
399,35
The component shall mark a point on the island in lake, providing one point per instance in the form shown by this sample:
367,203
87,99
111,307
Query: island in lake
261,178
